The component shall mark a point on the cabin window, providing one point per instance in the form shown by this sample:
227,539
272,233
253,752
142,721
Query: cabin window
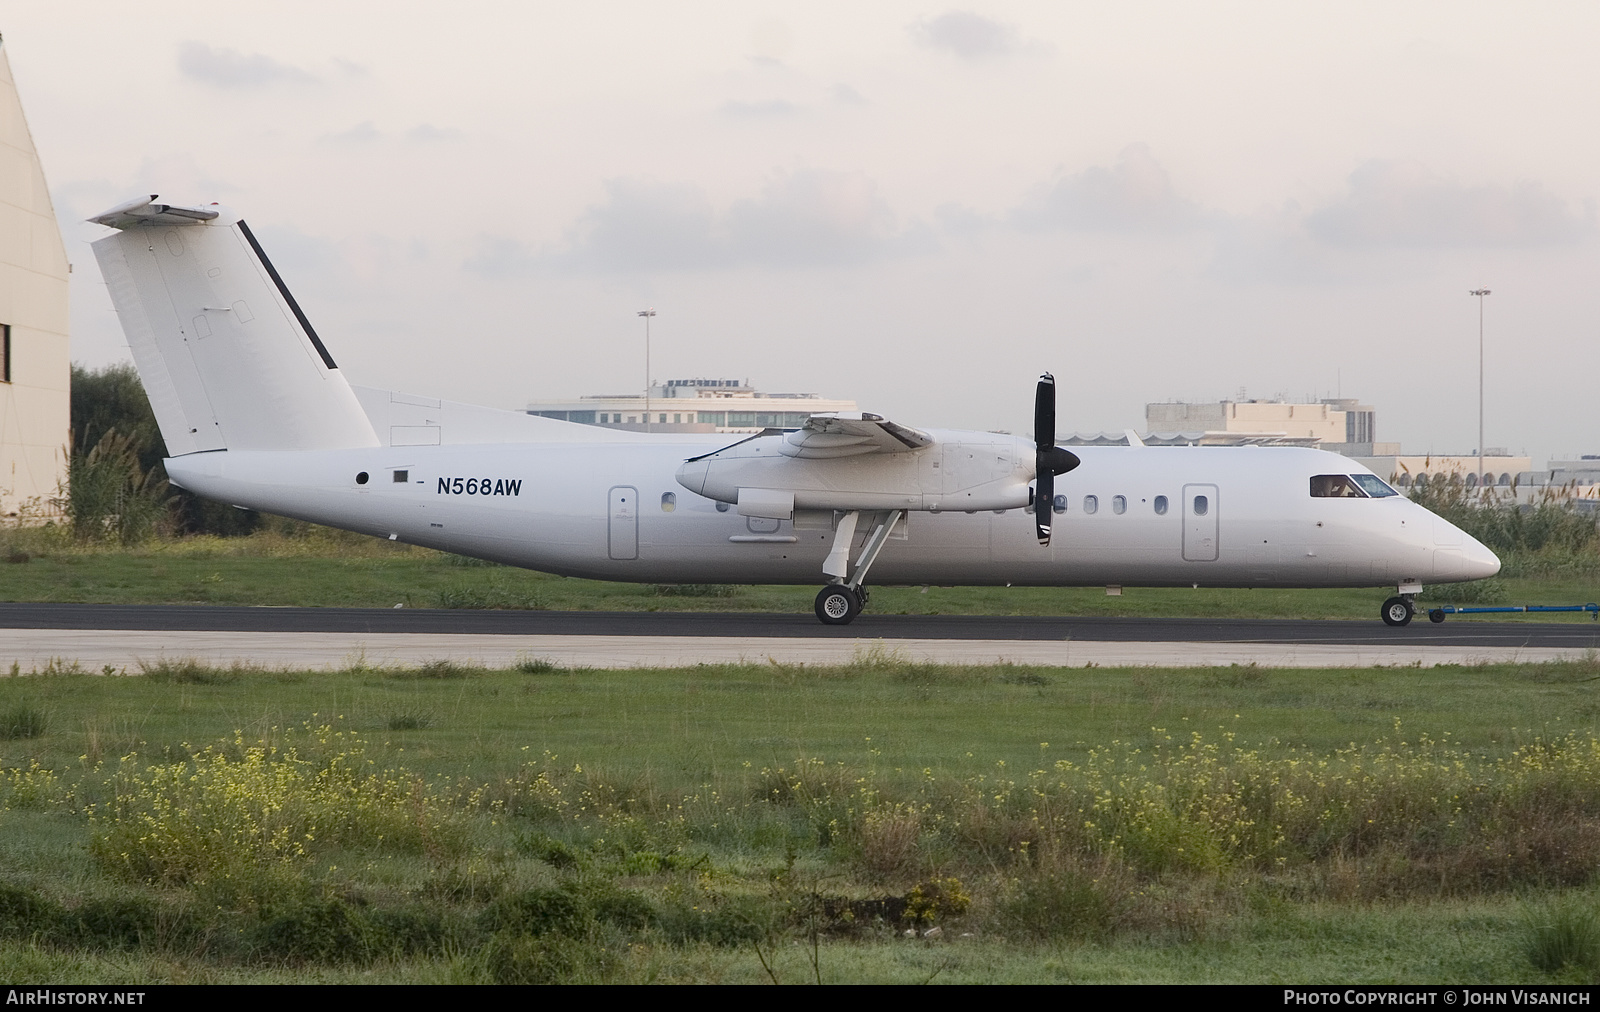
1091,504
1119,504
1059,504
361,478
1202,505
1335,486
1160,505
402,476
1373,485
669,501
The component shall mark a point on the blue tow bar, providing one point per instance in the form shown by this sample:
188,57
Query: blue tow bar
1438,614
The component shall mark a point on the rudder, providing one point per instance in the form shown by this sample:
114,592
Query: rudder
226,355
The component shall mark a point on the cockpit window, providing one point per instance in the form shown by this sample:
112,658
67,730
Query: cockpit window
1373,485
1335,486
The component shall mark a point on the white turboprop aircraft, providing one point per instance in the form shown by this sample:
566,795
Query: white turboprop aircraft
255,413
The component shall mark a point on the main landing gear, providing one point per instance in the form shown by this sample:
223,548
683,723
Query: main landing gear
842,600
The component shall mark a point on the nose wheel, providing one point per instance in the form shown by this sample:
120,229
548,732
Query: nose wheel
1397,611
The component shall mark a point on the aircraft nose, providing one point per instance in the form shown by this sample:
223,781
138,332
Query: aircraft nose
1478,560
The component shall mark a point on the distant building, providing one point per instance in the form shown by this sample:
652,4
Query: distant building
1340,424
693,405
1500,468
35,363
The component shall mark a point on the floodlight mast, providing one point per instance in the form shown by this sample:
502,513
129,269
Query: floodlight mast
1480,293
647,313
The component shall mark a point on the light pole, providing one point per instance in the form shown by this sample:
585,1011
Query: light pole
647,313
1480,293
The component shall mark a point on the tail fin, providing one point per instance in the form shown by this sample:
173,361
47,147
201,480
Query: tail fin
226,355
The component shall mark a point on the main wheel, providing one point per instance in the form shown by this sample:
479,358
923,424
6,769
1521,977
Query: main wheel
1397,611
837,605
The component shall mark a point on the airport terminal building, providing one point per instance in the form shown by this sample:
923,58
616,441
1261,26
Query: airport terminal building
693,405
35,362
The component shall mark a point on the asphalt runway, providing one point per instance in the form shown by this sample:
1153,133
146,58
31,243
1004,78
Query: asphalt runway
120,637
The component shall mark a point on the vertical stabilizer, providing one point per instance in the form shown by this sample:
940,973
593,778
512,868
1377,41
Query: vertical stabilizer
225,353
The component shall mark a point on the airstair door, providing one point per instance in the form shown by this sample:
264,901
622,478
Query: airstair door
1200,523
622,534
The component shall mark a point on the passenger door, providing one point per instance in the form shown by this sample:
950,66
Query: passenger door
1200,523
622,532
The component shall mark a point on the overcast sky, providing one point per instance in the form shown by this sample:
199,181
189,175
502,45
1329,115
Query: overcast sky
918,206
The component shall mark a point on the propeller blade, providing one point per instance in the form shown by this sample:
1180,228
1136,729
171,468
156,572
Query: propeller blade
1044,412
1044,439
1044,504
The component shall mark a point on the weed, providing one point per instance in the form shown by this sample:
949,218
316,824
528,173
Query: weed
22,720
409,721
189,671
1563,934
442,669
693,590
535,666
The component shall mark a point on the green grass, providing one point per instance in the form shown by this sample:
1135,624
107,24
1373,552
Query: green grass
635,826
323,568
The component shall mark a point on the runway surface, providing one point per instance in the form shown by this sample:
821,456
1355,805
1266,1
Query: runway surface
35,636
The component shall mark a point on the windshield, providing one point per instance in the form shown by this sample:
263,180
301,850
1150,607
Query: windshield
1373,485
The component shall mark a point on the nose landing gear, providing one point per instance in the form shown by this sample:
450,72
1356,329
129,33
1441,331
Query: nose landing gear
1398,610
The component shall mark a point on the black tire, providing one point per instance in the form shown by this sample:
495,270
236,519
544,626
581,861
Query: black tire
1436,615
837,605
1397,611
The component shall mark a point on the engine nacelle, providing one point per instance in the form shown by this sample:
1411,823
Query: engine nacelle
960,470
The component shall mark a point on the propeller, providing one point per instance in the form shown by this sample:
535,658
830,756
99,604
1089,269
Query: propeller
1050,459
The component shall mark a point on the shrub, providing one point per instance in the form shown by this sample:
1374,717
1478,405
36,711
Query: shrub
324,930
234,809
537,912
125,923
26,914
1062,903
543,959
109,496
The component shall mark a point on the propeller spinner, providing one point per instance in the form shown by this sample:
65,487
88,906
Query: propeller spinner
1050,459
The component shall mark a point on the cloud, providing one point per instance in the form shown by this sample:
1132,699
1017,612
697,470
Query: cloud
427,133
846,95
967,35
229,68
806,218
1135,195
773,109
361,133
1404,205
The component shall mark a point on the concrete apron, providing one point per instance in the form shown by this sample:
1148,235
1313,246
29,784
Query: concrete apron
94,651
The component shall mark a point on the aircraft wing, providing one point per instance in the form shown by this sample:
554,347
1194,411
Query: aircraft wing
851,434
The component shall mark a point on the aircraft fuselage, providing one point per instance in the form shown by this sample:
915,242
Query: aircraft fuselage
1162,516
